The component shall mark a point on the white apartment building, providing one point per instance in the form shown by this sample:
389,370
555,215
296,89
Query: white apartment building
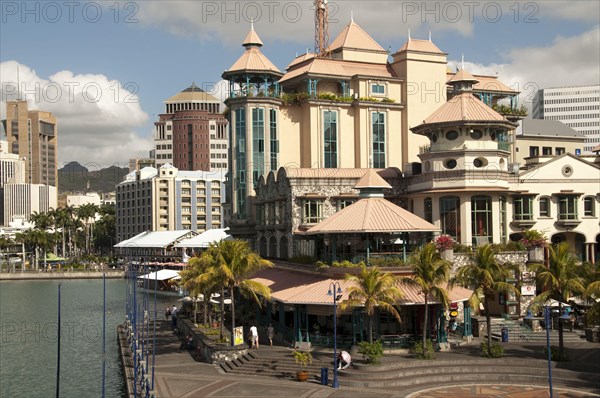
577,107
87,198
168,199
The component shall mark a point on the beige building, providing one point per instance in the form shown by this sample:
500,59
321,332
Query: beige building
465,186
82,199
350,109
168,199
33,136
545,138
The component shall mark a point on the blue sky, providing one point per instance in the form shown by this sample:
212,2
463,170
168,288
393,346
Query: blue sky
157,48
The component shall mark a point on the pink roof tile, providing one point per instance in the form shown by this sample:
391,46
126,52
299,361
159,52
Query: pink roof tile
252,39
464,107
353,36
320,173
253,59
294,287
372,180
333,67
372,215
487,83
420,46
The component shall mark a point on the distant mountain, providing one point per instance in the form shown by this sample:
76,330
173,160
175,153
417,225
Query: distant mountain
74,177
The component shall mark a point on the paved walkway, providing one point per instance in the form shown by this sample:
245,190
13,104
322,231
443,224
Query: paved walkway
177,374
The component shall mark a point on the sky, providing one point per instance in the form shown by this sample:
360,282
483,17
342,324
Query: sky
104,68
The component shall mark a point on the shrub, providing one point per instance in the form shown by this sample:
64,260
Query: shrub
302,260
303,358
496,351
460,248
444,242
346,264
417,350
387,262
533,238
371,352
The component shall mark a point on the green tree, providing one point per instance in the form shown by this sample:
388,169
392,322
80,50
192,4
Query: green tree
86,213
41,220
486,276
430,274
234,263
197,279
563,279
5,243
373,289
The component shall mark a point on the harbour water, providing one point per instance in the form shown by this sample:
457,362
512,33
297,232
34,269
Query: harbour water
28,337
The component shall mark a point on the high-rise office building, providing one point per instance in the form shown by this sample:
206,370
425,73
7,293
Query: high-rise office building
192,133
578,107
32,135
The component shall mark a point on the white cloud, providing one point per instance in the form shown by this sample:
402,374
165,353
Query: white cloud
568,61
96,116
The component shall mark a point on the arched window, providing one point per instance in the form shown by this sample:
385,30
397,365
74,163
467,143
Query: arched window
481,219
450,216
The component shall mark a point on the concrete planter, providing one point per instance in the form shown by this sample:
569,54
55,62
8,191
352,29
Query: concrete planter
592,335
447,255
536,255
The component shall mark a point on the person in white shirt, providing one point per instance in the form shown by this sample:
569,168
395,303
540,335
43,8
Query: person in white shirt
174,316
254,336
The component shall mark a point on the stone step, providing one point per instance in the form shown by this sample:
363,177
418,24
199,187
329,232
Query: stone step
426,371
466,376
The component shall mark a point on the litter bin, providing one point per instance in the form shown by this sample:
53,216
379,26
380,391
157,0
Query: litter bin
504,334
324,376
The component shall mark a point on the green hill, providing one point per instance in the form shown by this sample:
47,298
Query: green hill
73,177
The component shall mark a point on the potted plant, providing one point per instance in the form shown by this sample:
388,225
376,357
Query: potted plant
445,245
535,242
303,358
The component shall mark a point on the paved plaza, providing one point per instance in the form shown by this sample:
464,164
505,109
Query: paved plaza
179,375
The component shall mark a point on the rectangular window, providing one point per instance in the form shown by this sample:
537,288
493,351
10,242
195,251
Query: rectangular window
428,210
378,89
523,208
534,151
274,138
342,203
589,206
258,143
567,207
547,151
503,226
481,219
313,211
378,131
330,139
450,216
240,159
559,151
544,207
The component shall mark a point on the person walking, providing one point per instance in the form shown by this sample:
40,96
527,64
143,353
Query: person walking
174,316
270,333
254,336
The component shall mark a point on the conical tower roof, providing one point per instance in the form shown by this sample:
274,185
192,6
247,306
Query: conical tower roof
252,38
462,76
372,179
353,36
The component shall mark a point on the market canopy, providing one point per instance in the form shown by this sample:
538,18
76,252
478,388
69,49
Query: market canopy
156,239
161,275
206,238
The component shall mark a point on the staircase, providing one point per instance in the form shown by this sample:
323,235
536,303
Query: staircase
517,332
413,375
276,362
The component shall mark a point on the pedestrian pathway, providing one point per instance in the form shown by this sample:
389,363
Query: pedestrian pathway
177,374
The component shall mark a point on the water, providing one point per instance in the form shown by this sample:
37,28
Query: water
28,337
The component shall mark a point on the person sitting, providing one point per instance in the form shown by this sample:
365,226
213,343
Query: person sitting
344,360
188,343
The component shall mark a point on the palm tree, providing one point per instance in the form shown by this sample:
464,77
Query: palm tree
373,289
233,263
563,279
486,276
197,280
86,213
5,243
429,272
42,220
62,220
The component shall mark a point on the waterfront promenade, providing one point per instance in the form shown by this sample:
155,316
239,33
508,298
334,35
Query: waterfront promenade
41,275
177,374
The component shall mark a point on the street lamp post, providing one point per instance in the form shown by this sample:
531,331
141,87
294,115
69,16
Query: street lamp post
335,290
548,320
